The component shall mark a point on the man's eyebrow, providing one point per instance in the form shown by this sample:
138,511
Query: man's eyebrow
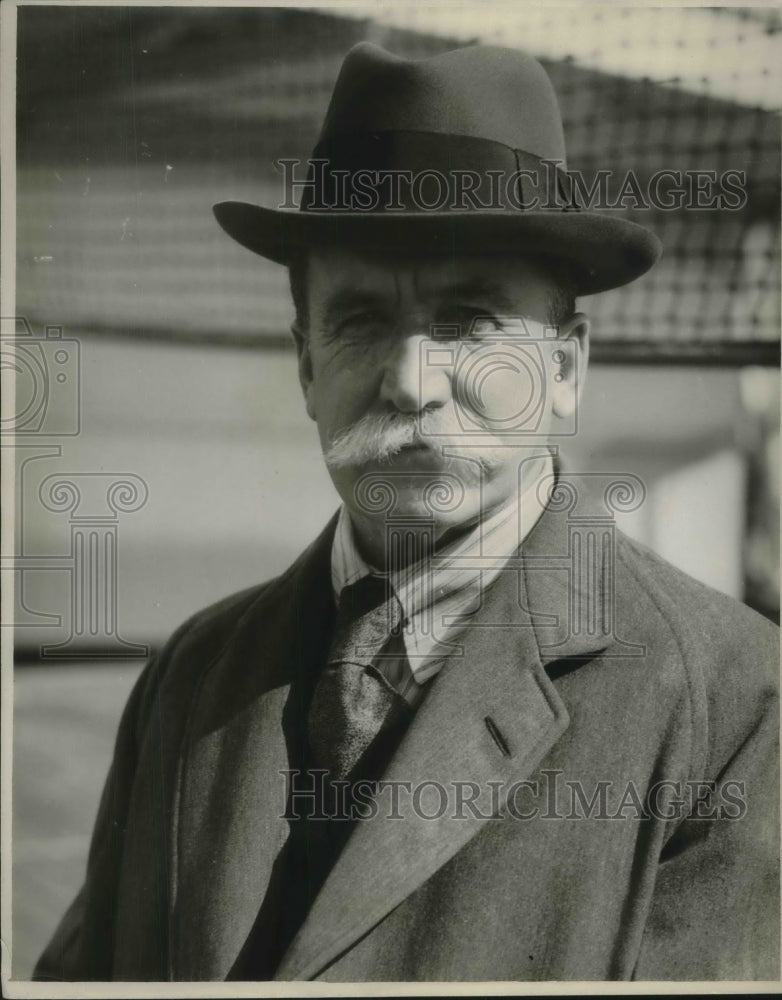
477,291
346,299
480,290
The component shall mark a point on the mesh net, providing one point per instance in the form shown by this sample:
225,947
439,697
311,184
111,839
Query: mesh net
149,116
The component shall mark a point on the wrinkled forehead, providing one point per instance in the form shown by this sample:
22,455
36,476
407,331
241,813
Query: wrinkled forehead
508,283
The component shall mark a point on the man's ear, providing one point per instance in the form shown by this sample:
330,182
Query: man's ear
570,363
305,367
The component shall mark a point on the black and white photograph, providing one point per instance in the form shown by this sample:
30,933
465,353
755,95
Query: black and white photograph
390,443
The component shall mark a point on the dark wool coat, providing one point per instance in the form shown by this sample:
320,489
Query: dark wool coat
598,666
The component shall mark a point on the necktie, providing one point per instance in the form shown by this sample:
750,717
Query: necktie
356,715
354,721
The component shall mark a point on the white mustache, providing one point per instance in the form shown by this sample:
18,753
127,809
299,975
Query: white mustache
377,437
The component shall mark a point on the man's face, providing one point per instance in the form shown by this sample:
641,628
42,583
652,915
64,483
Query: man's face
434,371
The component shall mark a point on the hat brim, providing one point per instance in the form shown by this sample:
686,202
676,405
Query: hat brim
606,252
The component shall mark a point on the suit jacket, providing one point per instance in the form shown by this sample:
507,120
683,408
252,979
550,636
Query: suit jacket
597,665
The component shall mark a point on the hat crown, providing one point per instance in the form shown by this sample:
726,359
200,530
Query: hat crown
463,133
481,91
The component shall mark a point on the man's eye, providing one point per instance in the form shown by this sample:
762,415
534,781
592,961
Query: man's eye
475,323
358,322
467,323
483,326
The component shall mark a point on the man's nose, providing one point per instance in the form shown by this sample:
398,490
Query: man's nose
410,382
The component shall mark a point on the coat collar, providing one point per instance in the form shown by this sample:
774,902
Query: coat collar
247,720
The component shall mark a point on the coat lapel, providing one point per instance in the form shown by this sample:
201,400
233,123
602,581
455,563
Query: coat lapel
243,737
498,685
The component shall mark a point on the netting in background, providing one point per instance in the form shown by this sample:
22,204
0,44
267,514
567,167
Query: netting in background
149,116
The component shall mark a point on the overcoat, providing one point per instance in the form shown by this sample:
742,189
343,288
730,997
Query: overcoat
596,688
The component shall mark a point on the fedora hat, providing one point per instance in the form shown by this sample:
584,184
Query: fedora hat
460,152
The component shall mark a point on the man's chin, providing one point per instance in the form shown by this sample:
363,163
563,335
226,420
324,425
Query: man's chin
411,493
440,508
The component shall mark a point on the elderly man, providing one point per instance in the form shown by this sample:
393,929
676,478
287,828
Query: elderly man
473,733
